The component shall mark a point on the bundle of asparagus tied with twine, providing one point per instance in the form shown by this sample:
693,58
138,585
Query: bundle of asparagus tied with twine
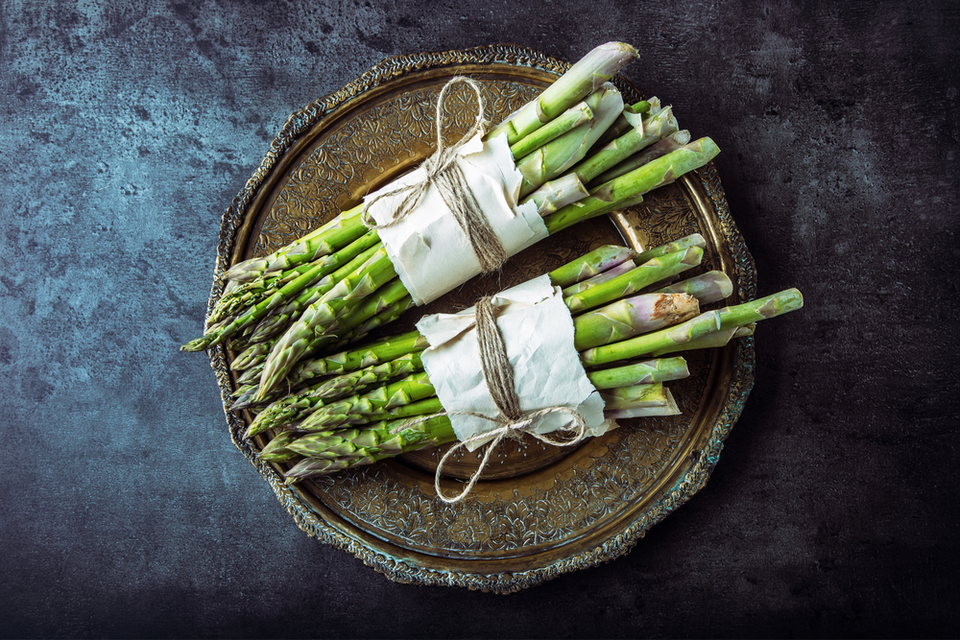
374,402
580,152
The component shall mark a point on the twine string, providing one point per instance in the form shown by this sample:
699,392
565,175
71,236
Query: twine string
442,172
513,422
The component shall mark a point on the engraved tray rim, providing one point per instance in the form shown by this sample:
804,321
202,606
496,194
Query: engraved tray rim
490,574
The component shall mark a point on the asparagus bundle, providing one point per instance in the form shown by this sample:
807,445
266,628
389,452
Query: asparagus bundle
330,450
621,317
337,283
333,427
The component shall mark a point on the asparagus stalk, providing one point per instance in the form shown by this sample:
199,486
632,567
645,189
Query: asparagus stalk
631,118
556,194
646,372
569,119
558,155
706,323
606,276
413,409
361,321
589,265
708,287
662,147
670,409
329,238
631,316
351,360
686,242
713,340
414,387
582,79
634,280
366,446
624,146
614,194
700,287
635,397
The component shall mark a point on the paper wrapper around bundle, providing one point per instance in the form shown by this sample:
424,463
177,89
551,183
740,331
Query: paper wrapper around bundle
429,250
538,335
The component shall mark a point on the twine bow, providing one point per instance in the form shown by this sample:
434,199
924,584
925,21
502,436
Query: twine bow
442,172
512,421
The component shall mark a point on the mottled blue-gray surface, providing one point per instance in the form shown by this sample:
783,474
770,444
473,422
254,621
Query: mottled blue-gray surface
125,511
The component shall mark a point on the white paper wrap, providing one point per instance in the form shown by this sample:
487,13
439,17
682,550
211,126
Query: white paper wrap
430,252
538,334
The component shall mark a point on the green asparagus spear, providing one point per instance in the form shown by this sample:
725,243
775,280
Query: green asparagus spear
705,323
582,79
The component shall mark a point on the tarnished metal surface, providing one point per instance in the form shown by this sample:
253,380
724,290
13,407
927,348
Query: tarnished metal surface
539,511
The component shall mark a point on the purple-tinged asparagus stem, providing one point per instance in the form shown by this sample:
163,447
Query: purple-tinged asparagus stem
628,317
712,286
670,409
704,324
591,264
636,279
600,278
634,397
686,242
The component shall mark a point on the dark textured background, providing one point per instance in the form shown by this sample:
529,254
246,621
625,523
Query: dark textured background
129,127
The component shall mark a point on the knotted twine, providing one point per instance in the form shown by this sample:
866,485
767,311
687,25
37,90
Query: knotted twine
442,172
512,421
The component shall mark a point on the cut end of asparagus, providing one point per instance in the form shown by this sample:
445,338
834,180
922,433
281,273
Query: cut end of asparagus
670,408
556,194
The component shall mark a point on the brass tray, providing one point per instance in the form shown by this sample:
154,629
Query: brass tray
538,512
